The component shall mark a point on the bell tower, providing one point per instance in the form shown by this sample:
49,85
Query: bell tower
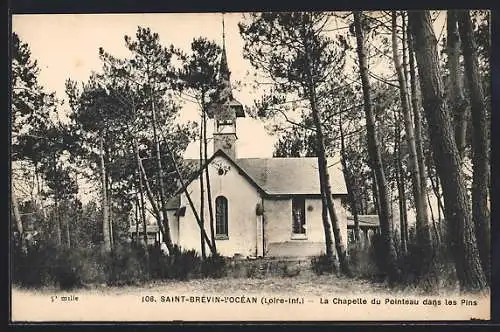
225,110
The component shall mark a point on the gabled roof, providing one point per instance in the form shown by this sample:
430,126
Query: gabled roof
233,103
281,176
195,162
294,176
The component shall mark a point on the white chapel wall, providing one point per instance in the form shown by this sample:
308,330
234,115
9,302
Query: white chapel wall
278,228
242,200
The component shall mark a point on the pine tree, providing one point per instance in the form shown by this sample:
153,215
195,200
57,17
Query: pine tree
446,156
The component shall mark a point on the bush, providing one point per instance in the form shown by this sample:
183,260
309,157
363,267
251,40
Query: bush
126,266
183,264
323,264
68,268
361,261
418,259
214,266
34,267
179,264
290,269
158,263
253,271
378,253
46,265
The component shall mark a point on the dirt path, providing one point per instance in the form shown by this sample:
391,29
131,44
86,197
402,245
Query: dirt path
304,284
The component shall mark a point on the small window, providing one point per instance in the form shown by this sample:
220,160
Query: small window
221,124
221,229
298,216
225,122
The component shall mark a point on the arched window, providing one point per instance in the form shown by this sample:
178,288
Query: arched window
221,217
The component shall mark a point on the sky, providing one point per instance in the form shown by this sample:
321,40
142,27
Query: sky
66,46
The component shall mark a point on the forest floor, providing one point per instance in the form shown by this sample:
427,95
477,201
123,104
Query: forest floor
304,283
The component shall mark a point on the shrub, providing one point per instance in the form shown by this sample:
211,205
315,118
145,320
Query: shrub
362,262
184,264
47,265
126,266
418,259
34,267
323,264
68,268
378,252
214,266
253,271
290,269
94,266
158,263
179,264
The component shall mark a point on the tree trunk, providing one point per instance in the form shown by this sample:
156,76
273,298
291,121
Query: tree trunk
167,239
191,204
405,51
137,220
446,155
422,222
376,204
109,194
439,201
110,204
349,183
458,104
403,220
480,176
324,177
202,195
149,193
327,228
375,158
57,216
18,220
105,207
436,191
425,262
417,116
434,224
68,233
143,213
207,176
440,209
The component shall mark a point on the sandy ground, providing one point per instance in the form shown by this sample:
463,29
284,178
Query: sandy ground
303,284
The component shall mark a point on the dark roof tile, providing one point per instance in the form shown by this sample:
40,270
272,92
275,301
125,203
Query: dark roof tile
279,176
290,176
